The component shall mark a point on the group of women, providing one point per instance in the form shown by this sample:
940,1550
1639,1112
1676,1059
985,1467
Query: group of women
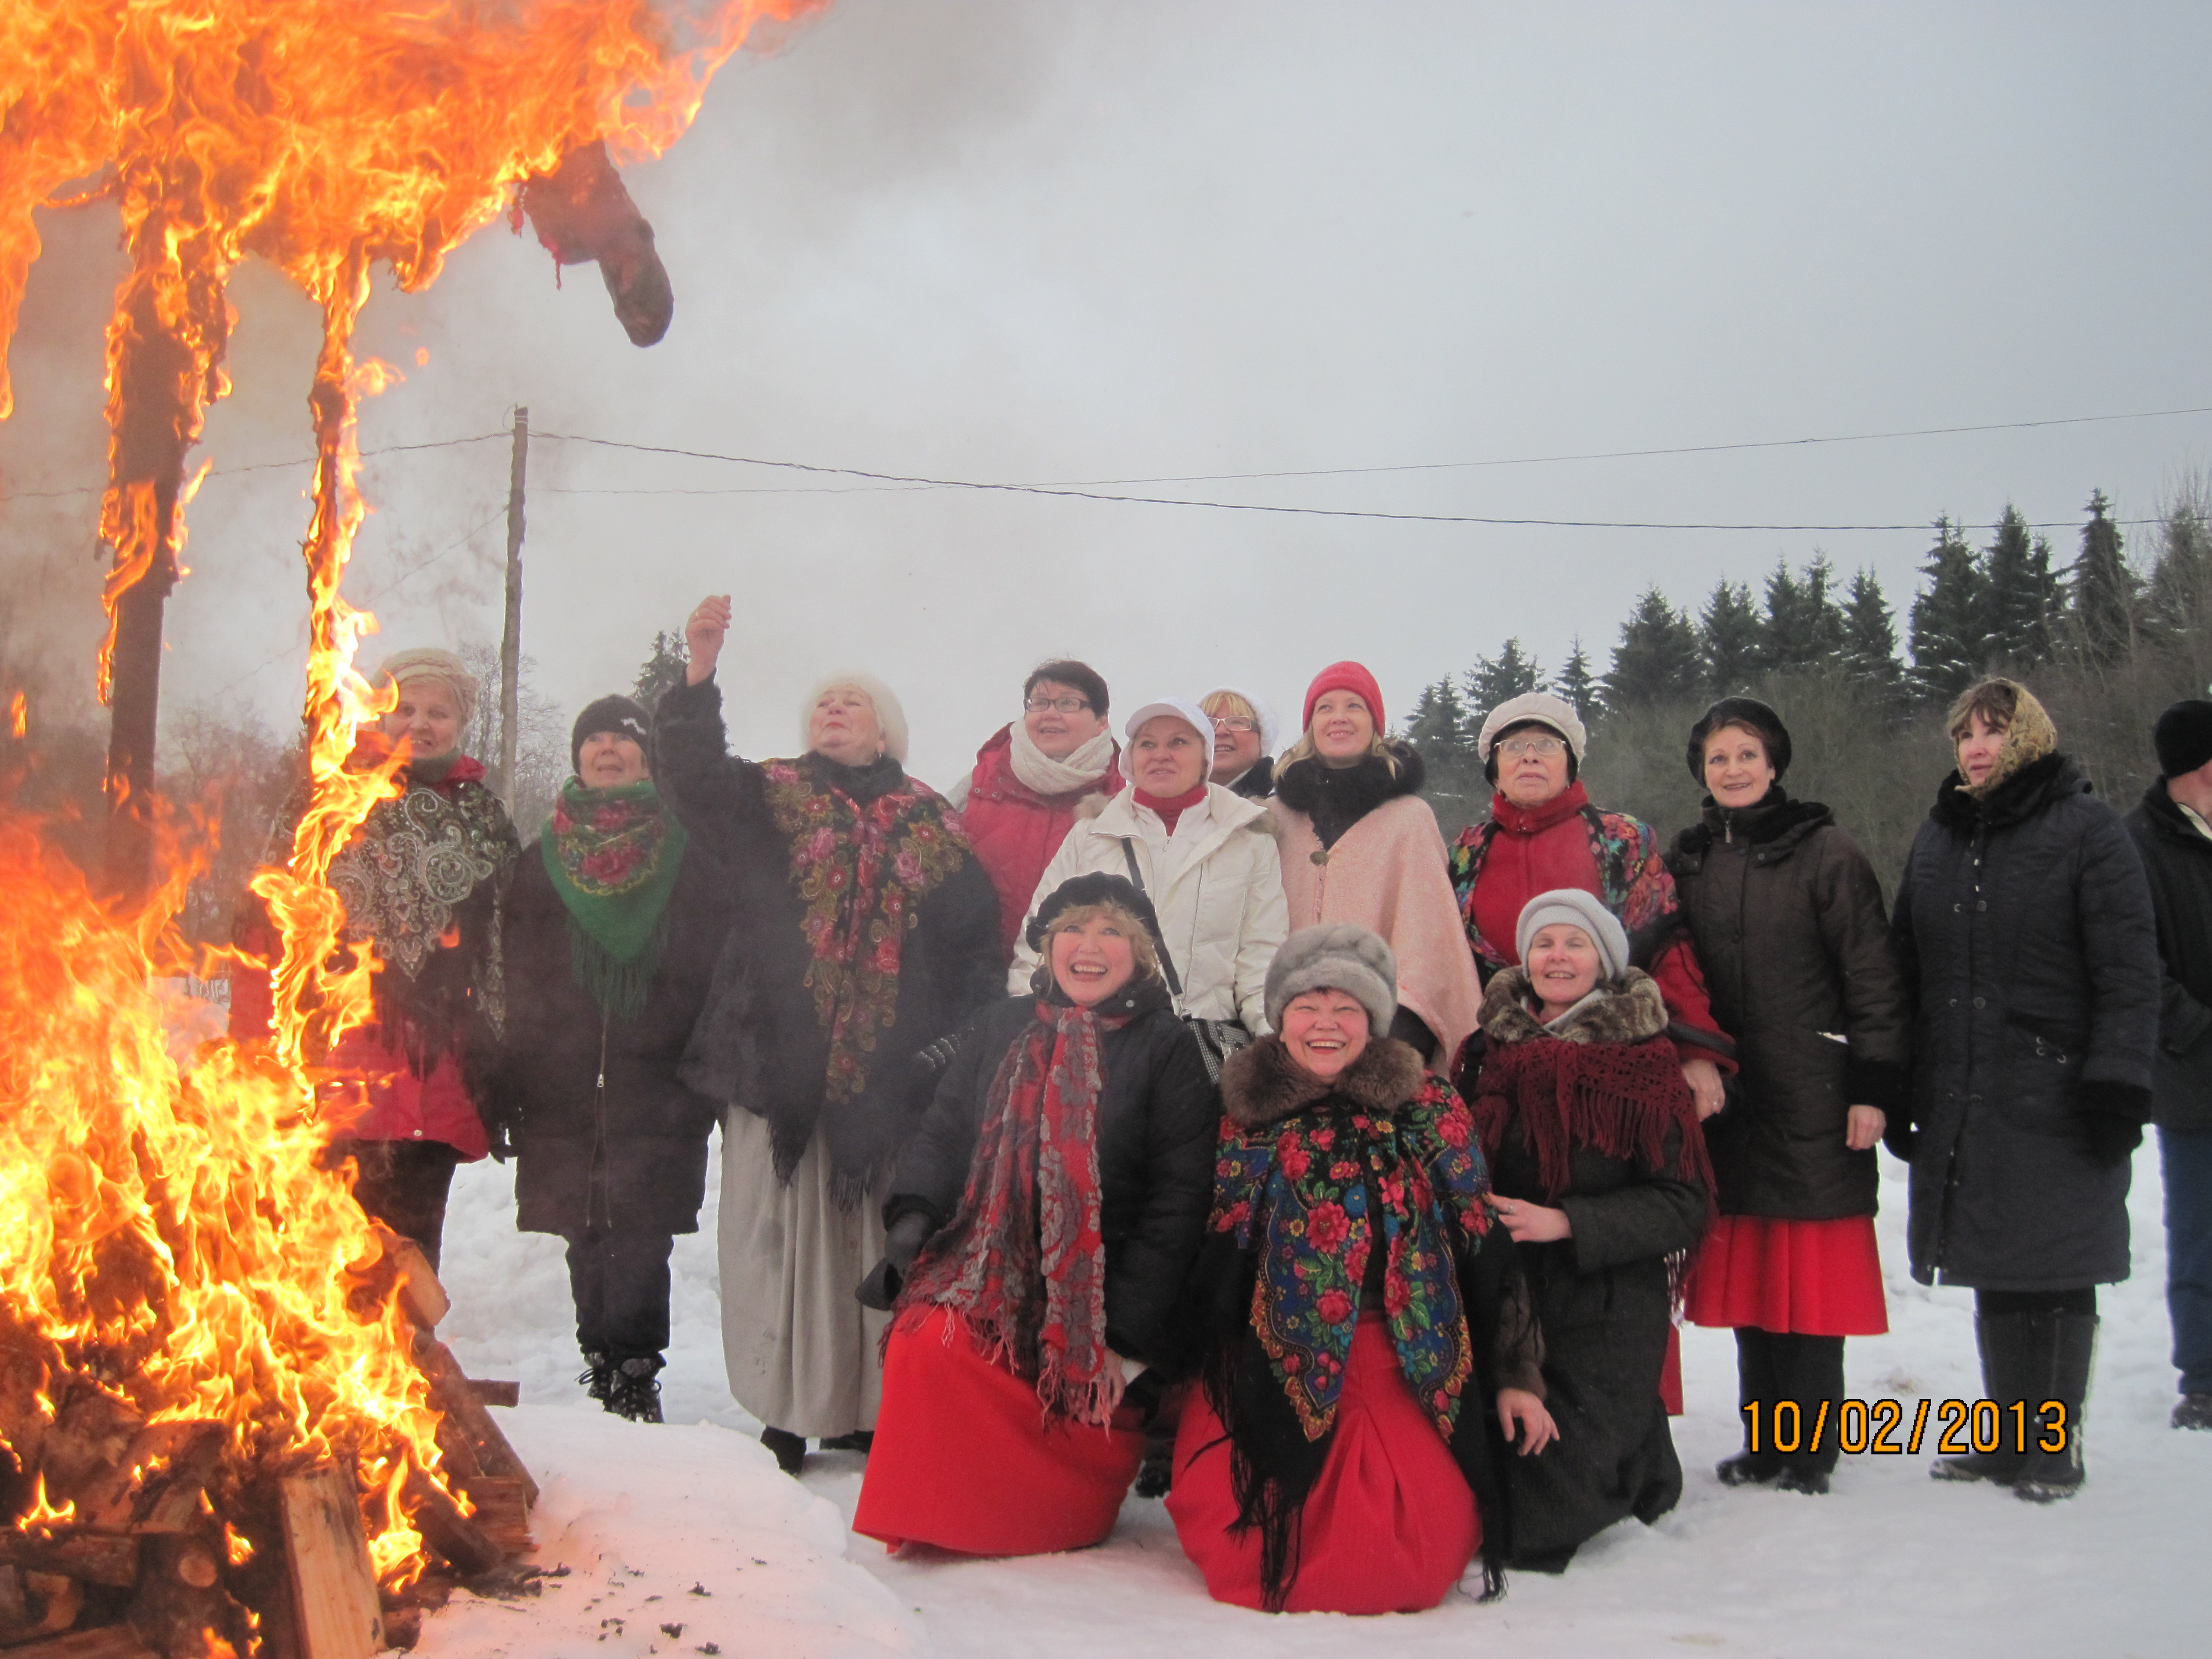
1179,1088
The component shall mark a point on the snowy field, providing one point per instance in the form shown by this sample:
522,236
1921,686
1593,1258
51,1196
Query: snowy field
691,1529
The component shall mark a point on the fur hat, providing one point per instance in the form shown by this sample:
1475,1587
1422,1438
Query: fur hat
1753,716
1543,710
2029,734
617,713
1094,888
429,663
1336,955
1575,909
2182,736
1351,677
889,714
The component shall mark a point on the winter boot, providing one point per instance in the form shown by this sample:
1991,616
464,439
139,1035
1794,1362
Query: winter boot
597,1374
2065,1351
2193,1411
633,1391
1156,1474
2007,1369
862,1440
790,1449
1811,1371
1756,1385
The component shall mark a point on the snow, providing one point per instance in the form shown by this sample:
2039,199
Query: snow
1890,1561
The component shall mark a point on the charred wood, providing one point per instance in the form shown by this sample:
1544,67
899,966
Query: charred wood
582,213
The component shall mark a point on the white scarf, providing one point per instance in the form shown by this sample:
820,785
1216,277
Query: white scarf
1048,777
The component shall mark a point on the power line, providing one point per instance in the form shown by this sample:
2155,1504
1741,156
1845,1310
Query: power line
256,467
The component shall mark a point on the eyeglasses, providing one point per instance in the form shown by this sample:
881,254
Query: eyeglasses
1235,723
1516,747
1062,705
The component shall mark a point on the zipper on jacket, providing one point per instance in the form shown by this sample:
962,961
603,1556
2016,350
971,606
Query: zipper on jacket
597,1180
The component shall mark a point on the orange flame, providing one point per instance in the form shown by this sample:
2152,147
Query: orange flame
164,1226
19,715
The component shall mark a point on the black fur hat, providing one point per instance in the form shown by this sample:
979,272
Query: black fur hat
1097,888
615,713
1748,711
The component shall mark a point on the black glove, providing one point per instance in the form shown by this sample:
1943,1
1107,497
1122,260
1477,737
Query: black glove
1898,1135
2113,1114
939,1055
502,1143
901,1245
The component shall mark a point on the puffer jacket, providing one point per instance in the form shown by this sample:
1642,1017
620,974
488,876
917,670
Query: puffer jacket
2025,928
1014,830
1216,884
2178,859
1788,920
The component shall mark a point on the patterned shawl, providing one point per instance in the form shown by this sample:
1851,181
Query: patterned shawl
1023,1260
613,856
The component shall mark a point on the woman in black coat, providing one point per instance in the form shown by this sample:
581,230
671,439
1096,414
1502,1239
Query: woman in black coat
1787,916
1038,1233
612,924
2026,928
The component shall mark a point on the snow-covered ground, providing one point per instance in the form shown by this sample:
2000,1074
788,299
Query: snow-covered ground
1890,1561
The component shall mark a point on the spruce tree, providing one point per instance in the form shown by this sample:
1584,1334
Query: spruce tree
1949,650
1439,725
663,667
2017,593
1492,680
1803,628
2178,600
1577,685
2104,589
1728,639
1869,653
1657,656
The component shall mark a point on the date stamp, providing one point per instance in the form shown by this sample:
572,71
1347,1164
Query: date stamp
1882,1427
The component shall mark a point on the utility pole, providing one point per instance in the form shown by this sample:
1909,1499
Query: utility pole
510,638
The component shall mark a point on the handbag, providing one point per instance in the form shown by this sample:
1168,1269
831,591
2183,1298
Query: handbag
1217,1039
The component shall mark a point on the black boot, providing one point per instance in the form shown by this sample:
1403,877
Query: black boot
862,1440
597,1373
633,1391
2007,1369
790,1449
1156,1474
2065,1349
1756,1384
1811,1370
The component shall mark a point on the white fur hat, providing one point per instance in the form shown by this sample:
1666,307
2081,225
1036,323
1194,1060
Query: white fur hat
1576,908
889,714
1336,955
1541,707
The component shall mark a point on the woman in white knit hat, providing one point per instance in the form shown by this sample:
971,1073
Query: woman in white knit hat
866,931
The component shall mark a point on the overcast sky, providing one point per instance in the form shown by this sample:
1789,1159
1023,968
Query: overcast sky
1014,240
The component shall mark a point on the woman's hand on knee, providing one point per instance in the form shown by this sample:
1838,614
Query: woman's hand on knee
1525,1421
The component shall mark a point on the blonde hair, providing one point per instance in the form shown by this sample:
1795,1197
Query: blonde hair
1228,702
1141,947
1303,750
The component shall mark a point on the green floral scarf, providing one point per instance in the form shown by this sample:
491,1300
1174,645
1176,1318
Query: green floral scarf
613,855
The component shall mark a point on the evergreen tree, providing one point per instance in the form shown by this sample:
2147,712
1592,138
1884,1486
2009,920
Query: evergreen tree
1728,639
1577,685
1950,649
1657,656
2017,594
1492,680
1439,725
1869,653
664,668
2105,589
2179,598
1803,629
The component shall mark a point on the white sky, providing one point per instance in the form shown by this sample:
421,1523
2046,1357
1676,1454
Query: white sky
1015,240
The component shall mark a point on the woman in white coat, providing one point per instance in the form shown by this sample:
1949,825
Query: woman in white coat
1205,857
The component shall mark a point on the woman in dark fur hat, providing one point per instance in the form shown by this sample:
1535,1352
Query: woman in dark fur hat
1602,1182
1341,1454
1039,1231
1788,919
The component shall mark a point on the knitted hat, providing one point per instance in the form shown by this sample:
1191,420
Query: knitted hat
1095,888
429,663
2182,736
1270,729
1337,955
1540,708
889,714
1180,708
1346,676
1753,716
1576,908
618,714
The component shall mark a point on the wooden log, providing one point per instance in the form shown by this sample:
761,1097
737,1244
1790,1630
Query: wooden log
108,1641
95,1558
60,1600
91,1432
155,1486
180,1596
336,1612
419,1288
435,1514
452,1396
502,1512
497,1393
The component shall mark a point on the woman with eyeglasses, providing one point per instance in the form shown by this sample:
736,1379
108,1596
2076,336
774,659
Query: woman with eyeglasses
1031,778
1244,742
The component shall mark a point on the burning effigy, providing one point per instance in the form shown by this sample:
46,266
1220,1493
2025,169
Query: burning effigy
225,1426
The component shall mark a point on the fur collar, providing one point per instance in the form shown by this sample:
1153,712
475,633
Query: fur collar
2025,793
1777,826
1336,798
1260,1084
1632,1011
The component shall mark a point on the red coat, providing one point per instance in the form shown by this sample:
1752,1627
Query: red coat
1015,830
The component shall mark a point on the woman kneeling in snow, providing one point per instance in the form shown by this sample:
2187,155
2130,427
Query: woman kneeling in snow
1339,1457
1593,1139
1040,1229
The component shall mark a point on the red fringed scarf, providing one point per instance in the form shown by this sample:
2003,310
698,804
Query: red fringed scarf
1023,1260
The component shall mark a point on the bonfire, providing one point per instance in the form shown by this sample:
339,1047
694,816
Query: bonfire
225,1427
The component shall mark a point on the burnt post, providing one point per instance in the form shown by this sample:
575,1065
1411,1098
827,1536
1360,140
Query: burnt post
510,634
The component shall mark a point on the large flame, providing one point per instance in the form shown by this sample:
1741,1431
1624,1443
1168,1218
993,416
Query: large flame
164,1231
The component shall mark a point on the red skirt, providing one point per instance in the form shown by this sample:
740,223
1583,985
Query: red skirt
1814,1278
1390,1525
964,1458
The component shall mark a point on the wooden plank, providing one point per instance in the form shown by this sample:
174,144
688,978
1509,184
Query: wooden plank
502,1512
108,1641
336,1613
454,1535
95,1558
419,1288
154,1485
497,1393
452,1397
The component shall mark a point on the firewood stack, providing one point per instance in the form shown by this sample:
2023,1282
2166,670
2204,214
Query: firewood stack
124,1539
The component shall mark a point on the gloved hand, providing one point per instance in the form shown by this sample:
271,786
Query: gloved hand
900,1246
2113,1114
1898,1134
